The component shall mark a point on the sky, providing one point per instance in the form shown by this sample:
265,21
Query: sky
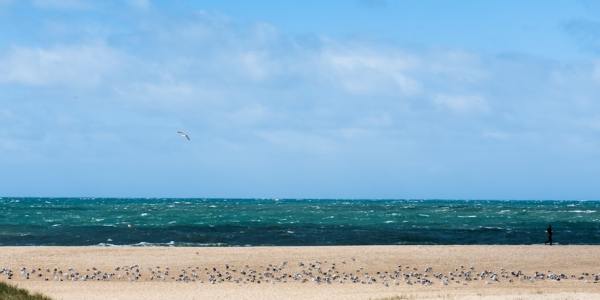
300,99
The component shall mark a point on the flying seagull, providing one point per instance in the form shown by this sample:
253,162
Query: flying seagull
183,134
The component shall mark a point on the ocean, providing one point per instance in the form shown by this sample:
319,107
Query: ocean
292,222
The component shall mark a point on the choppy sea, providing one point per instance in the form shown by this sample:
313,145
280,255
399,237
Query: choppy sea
252,222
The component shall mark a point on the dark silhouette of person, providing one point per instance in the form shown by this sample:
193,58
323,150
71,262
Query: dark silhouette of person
549,234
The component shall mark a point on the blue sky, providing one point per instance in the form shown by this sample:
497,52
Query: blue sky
328,99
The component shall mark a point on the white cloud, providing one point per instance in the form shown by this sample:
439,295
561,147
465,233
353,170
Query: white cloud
496,135
250,115
73,65
459,66
140,4
166,95
210,73
255,64
589,123
62,4
596,71
364,71
300,141
254,88
461,103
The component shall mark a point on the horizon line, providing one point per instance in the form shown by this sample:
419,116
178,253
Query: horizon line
288,198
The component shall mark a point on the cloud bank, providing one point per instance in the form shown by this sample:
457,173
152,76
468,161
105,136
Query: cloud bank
277,114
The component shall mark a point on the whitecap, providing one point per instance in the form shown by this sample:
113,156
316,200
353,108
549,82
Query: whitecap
424,215
491,227
142,244
389,221
144,214
472,216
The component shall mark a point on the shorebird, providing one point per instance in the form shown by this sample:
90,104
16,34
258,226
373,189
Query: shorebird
183,134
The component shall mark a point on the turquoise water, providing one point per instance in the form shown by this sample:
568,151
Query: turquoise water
229,222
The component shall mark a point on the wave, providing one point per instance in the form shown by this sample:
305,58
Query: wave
191,222
169,244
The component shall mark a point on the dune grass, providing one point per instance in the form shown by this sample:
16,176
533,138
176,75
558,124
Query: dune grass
9,292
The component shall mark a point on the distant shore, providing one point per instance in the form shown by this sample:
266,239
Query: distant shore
336,272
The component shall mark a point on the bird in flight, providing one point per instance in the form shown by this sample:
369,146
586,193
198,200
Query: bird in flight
183,134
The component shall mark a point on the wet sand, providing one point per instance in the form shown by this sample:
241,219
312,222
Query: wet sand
338,272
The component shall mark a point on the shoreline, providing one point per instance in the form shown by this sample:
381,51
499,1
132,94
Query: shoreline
305,272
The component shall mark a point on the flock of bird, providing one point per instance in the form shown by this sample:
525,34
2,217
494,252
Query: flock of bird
304,272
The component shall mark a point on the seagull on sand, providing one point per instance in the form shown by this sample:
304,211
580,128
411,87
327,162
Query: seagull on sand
183,134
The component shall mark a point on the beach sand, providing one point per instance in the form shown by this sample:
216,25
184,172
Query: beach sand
413,272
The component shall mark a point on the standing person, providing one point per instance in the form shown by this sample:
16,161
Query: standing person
549,234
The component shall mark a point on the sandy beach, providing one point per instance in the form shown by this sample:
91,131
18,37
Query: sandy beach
357,272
